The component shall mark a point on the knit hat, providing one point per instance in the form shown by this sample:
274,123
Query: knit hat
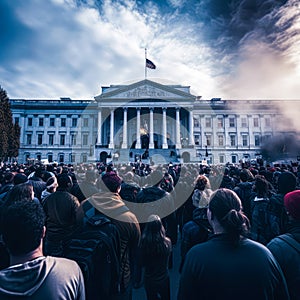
112,181
20,178
292,204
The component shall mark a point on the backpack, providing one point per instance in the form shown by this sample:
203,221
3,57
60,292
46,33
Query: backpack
95,246
267,219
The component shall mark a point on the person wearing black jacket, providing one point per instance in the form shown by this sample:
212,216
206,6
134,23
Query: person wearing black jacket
286,252
228,265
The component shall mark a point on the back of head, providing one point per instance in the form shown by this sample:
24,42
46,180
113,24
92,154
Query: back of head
20,178
202,182
246,175
292,204
64,181
112,181
226,207
261,185
20,192
286,182
22,226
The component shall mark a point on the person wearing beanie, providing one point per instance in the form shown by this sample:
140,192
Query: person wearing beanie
284,247
109,202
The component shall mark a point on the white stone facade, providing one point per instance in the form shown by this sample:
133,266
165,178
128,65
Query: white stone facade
165,120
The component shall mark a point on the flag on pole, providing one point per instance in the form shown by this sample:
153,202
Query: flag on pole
150,64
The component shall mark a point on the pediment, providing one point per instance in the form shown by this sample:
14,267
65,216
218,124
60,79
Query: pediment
145,89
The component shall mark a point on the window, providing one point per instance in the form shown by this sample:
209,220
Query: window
220,122
52,122
17,120
29,138
61,158
74,122
72,157
73,139
196,123
268,122
231,122
232,140
221,159
256,140
233,159
63,122
221,140
208,122
84,139
51,139
85,122
39,157
29,121
40,139
197,139
84,158
244,122
41,121
50,158
62,139
208,140
255,122
245,140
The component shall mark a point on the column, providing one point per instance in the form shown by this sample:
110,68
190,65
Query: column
111,135
151,133
178,142
138,129
99,132
191,128
124,143
164,133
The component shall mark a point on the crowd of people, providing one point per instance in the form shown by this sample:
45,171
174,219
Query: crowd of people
98,231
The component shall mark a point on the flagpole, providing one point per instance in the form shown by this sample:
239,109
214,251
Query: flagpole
145,63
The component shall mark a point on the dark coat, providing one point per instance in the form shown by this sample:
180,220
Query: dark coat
217,269
289,259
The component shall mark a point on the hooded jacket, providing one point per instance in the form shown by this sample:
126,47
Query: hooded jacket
111,205
49,278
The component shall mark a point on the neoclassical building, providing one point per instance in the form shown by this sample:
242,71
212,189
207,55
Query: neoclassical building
144,120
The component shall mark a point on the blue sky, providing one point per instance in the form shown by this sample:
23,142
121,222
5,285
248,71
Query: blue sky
234,49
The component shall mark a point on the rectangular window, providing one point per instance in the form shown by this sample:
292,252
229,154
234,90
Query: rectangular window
74,122
85,122
208,140
208,122
17,120
84,158
232,140
233,159
268,122
221,140
40,139
50,158
256,140
29,138
61,158
52,122
196,123
197,139
51,139
29,121
245,140
63,122
220,122
255,122
72,157
221,159
41,121
244,122
231,122
84,139
62,139
73,139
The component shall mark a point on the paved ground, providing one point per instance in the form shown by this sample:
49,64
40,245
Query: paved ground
139,294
